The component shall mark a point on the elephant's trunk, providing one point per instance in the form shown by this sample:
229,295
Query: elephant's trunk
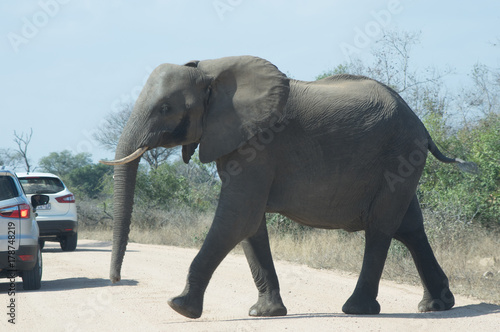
124,185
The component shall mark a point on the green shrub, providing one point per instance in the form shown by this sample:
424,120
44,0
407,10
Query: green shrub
469,197
160,188
90,180
281,225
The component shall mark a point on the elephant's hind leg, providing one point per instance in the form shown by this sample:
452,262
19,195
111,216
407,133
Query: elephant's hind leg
437,294
363,301
382,222
258,254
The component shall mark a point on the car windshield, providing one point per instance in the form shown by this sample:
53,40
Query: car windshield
41,185
7,188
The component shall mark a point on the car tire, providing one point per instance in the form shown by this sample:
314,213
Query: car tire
68,243
41,243
32,279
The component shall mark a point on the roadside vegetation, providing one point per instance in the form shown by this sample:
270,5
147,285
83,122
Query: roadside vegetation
175,203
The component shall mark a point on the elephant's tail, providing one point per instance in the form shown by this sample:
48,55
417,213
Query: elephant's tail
464,166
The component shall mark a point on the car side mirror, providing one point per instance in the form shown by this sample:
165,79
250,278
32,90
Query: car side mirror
37,200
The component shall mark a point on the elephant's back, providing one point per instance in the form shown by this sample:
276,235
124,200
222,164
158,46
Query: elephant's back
344,109
352,106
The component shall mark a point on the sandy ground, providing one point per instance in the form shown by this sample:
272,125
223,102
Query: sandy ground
77,296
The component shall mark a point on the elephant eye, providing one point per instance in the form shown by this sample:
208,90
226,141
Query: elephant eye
164,109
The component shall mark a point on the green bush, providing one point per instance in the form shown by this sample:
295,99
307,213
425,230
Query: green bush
161,187
281,225
90,180
469,197
173,184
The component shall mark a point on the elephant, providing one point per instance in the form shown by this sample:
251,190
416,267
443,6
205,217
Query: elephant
344,152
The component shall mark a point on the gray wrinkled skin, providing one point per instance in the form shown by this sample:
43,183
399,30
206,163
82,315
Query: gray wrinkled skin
343,152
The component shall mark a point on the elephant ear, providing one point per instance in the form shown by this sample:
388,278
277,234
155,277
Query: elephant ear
247,96
189,149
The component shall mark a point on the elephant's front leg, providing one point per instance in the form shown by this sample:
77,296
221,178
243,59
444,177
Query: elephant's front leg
259,258
218,243
238,216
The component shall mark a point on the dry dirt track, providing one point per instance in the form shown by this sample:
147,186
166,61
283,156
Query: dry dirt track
77,296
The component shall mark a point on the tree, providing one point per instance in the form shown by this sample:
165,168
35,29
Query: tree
89,180
343,68
109,131
63,163
392,60
195,185
390,64
9,158
468,197
156,157
203,181
161,187
485,94
22,142
108,134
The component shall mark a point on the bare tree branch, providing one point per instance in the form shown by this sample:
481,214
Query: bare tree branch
9,158
109,131
22,144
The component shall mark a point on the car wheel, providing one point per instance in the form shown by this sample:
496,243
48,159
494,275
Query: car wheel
33,279
41,243
68,243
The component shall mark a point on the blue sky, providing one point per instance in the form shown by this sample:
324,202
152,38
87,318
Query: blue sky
65,64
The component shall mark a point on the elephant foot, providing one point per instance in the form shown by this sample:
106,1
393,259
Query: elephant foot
361,305
446,302
268,305
186,307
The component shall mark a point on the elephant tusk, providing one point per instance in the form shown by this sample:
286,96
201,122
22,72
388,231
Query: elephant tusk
139,152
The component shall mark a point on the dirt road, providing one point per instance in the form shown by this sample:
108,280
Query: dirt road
77,296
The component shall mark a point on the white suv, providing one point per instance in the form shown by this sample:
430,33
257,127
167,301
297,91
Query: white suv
57,220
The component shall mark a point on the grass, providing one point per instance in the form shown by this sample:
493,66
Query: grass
471,258
469,254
